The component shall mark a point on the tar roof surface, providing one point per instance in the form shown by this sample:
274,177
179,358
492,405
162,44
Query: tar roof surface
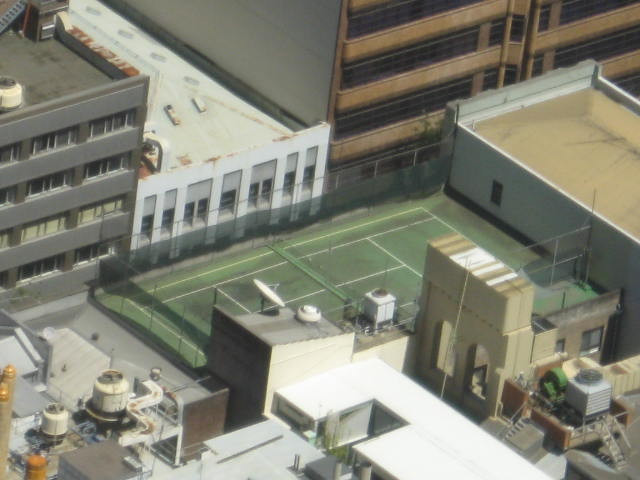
583,143
46,69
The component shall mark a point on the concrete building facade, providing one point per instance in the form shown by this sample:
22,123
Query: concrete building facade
382,71
68,158
582,174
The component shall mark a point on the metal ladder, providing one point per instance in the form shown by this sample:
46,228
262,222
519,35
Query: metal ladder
11,13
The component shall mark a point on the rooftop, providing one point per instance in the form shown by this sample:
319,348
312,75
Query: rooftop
283,327
436,439
228,124
46,70
597,139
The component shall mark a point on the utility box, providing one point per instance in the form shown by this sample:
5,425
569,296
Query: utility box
589,393
379,307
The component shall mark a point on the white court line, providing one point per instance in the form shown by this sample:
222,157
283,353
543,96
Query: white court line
234,300
285,262
166,327
294,245
394,257
441,221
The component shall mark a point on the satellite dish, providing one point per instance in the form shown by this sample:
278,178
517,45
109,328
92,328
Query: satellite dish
49,333
268,293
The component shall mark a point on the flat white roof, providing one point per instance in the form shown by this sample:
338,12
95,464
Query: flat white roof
436,440
228,125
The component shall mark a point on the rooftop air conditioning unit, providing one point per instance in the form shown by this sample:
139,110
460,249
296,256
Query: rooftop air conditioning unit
379,307
10,94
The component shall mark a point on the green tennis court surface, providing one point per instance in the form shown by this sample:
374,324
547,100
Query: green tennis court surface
331,266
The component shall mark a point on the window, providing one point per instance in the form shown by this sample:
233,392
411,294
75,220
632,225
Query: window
517,28
100,209
289,180
189,211
545,16
105,166
167,219
265,192
110,123
147,225
496,32
58,139
43,227
92,252
227,201
574,10
10,153
496,193
5,237
559,346
591,341
7,195
253,193
41,267
49,183
4,279
203,208
307,176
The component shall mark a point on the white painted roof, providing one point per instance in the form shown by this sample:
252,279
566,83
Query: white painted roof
437,439
480,262
228,125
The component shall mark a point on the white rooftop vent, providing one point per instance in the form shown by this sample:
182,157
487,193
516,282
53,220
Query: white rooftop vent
379,306
10,94
308,314
589,393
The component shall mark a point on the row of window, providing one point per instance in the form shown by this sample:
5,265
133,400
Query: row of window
56,223
55,181
68,136
574,10
55,263
398,12
411,105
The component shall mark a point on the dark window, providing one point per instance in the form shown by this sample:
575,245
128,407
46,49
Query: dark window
167,219
490,79
574,10
4,279
496,32
10,153
189,211
53,140
41,267
405,59
203,208
110,123
605,46
147,225
517,28
265,192
510,75
7,195
496,193
104,166
307,176
591,341
49,183
92,252
545,14
630,83
254,188
538,63
559,346
289,180
228,201
407,106
398,12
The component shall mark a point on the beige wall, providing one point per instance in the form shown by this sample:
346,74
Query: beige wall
497,318
396,353
297,361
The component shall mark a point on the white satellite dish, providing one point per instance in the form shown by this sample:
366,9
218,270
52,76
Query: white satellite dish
268,293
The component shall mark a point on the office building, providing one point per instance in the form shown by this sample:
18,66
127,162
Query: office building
382,71
70,137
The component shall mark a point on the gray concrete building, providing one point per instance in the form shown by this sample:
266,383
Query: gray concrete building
70,134
557,158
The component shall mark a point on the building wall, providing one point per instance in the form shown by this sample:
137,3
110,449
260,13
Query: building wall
286,151
294,362
202,420
398,353
538,210
78,204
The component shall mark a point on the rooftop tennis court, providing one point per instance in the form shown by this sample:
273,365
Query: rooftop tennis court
326,266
